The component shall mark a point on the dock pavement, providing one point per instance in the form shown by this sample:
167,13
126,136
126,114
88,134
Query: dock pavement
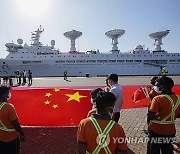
62,140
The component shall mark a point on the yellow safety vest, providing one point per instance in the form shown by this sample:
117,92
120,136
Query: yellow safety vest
172,114
103,135
164,72
3,127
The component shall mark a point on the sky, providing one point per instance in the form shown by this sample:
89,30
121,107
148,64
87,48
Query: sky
18,18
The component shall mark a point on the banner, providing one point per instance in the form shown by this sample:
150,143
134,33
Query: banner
51,107
62,107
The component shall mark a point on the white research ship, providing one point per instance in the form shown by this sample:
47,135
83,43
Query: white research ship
47,61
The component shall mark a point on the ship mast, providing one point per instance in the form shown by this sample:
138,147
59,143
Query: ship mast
35,36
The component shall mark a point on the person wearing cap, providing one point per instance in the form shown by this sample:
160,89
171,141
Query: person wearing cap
163,111
118,92
97,133
10,129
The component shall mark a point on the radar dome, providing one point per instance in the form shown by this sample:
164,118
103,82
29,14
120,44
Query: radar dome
72,35
52,42
157,36
20,41
114,35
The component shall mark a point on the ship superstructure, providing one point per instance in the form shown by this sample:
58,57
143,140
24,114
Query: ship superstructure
48,61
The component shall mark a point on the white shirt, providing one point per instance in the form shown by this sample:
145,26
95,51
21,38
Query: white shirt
118,92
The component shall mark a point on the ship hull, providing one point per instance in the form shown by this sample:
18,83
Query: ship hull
50,68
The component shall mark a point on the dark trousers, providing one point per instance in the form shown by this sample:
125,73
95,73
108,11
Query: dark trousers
12,147
159,143
116,116
65,77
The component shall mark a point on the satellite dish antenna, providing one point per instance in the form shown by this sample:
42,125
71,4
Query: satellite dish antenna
52,43
157,36
20,41
114,35
72,35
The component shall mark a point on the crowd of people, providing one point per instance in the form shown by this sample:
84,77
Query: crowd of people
97,133
22,78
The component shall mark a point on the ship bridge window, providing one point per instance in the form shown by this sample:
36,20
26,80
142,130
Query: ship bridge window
129,61
91,61
178,60
120,61
172,60
70,61
112,61
156,61
102,61
60,61
36,61
26,62
138,61
80,61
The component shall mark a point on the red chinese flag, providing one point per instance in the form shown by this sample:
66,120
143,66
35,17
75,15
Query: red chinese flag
128,103
138,95
51,107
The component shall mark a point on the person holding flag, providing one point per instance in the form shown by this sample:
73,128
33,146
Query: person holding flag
10,129
163,111
96,133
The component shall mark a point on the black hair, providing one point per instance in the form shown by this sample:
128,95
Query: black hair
166,81
94,92
155,77
4,90
113,77
153,80
104,99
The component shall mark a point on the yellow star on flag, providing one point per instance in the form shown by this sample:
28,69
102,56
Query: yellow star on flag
56,89
47,102
75,96
55,106
48,94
